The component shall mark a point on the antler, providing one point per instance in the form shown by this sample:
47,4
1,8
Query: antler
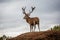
29,10
24,10
32,9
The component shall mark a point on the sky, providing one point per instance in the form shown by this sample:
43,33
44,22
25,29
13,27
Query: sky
11,16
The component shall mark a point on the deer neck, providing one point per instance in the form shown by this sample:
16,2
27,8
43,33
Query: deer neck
27,19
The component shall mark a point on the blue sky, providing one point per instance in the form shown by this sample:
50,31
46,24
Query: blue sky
11,16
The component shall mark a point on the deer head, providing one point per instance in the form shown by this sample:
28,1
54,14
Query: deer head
27,14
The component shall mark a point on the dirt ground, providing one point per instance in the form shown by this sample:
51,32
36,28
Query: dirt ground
43,35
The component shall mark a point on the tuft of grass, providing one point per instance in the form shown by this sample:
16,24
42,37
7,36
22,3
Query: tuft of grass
57,28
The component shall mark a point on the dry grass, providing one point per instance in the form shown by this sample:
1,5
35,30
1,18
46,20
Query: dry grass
45,35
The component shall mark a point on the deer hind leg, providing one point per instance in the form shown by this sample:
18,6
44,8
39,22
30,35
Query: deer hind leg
38,27
34,25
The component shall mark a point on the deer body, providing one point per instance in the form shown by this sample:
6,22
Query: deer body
31,21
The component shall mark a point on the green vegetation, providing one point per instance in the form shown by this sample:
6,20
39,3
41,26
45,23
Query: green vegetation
5,37
57,28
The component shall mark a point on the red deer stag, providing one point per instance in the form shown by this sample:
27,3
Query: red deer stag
32,21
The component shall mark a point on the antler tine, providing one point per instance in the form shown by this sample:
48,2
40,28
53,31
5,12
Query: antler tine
33,8
23,8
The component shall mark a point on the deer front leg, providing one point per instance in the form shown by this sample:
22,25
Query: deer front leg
31,28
